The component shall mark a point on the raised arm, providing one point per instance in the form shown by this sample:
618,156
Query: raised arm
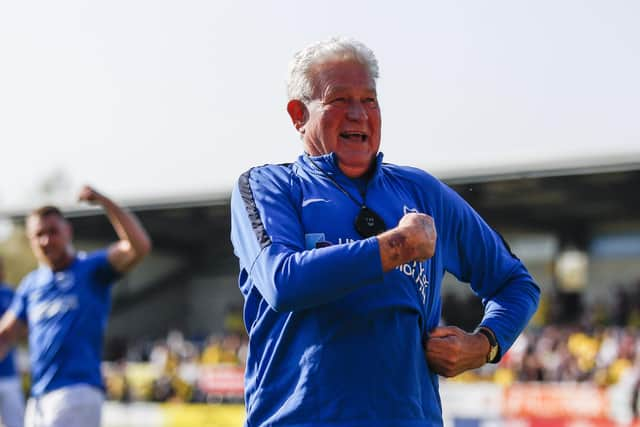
133,244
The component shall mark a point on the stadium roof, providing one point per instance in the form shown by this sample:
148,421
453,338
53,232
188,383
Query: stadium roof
570,202
566,198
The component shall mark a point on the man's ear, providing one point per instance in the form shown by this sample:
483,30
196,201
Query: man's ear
298,112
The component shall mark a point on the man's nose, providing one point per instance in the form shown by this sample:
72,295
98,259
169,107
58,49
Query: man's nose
356,111
43,240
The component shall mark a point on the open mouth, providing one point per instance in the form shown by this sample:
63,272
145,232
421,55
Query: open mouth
354,136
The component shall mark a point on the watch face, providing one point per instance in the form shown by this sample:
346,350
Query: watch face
492,353
493,344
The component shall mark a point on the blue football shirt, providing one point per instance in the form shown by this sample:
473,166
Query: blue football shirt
66,312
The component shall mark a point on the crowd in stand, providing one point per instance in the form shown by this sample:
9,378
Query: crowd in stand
598,343
555,353
176,369
601,346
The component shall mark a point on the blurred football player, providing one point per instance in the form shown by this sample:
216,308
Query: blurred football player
65,304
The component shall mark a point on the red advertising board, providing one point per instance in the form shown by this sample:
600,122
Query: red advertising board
564,422
556,401
222,381
539,422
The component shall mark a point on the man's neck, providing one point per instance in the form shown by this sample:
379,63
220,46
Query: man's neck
63,264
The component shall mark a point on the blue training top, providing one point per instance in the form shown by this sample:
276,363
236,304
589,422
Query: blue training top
66,312
334,341
7,365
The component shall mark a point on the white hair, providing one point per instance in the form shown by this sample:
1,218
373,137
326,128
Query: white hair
299,83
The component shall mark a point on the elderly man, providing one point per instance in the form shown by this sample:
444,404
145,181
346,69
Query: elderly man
65,304
341,260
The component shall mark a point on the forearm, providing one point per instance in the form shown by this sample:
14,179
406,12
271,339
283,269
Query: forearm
292,281
395,249
10,330
127,227
508,312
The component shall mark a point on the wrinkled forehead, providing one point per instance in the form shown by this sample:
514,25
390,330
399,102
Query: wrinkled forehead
341,73
37,224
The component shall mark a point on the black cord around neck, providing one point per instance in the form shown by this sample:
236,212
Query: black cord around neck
367,223
362,204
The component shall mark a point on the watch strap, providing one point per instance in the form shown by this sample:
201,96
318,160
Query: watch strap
493,343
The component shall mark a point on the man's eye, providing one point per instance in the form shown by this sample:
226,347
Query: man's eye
338,100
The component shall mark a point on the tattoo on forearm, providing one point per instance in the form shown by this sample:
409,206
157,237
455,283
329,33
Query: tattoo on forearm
397,243
397,240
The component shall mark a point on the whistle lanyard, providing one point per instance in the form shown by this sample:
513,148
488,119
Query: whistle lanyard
367,223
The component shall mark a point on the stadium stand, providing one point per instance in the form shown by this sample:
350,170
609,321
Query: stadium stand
176,333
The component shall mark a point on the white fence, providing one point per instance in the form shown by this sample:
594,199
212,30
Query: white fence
464,405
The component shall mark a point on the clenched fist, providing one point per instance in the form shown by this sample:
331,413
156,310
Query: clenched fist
413,239
422,234
451,351
89,194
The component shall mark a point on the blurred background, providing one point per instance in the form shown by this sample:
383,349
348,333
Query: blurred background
528,109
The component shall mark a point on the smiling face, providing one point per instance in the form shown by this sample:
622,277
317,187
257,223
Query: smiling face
343,116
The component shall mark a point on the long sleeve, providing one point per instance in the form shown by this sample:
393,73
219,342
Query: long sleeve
477,254
269,240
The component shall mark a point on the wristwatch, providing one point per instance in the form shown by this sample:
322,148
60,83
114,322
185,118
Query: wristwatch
493,343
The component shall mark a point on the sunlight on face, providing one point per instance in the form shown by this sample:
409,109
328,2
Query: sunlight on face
344,116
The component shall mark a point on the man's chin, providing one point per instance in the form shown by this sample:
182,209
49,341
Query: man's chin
355,169
48,261
51,260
